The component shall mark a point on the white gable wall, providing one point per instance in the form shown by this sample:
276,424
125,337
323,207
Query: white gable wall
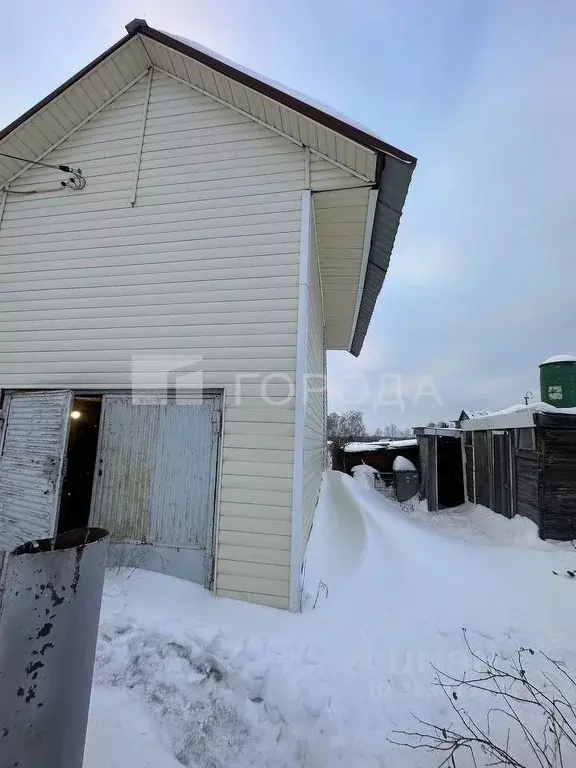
206,263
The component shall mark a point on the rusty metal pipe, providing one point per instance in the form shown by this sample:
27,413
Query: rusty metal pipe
49,612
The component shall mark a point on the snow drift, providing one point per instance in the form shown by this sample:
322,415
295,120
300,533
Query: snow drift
212,683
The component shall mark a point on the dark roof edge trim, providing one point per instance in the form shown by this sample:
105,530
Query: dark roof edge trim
328,121
387,214
360,331
58,91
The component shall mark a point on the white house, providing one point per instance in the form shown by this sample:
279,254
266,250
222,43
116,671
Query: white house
218,223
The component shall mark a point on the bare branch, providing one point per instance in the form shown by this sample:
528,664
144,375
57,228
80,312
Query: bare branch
547,734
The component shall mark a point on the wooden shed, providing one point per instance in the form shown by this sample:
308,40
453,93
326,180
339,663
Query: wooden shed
523,461
441,470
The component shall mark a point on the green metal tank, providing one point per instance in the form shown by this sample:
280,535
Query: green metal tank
558,381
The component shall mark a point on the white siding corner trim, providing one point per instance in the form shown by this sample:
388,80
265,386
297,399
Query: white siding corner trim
300,404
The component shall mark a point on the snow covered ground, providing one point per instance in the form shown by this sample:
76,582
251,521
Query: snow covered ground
185,679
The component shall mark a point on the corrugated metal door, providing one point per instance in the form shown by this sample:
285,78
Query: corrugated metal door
156,475
124,462
32,453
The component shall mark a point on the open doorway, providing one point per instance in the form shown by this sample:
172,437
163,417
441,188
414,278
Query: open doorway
80,463
450,472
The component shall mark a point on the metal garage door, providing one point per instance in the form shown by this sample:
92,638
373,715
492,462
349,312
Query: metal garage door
155,482
32,451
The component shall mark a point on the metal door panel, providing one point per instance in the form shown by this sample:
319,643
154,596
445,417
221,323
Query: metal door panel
124,461
155,482
182,489
31,464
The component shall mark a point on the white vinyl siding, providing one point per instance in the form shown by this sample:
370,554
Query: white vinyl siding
315,405
206,263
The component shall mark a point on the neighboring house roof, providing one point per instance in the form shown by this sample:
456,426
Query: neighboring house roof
301,120
474,414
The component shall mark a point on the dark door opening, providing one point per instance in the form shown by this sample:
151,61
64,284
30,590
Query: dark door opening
450,472
502,475
80,463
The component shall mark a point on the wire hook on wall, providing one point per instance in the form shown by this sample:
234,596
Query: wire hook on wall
75,180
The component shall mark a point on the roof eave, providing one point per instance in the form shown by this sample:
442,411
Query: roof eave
395,179
5,132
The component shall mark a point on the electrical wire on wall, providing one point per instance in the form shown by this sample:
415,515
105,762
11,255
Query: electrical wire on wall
75,180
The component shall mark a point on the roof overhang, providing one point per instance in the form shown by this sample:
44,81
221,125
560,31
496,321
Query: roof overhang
382,167
394,180
517,419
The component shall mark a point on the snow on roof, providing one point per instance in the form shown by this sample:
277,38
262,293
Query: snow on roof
560,359
275,84
359,447
402,464
477,414
380,445
514,417
394,444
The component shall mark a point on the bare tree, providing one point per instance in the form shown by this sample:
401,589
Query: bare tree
348,424
524,715
333,426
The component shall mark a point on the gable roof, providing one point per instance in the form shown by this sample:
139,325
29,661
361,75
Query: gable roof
296,117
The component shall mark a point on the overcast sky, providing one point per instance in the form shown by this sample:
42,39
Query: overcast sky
482,282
